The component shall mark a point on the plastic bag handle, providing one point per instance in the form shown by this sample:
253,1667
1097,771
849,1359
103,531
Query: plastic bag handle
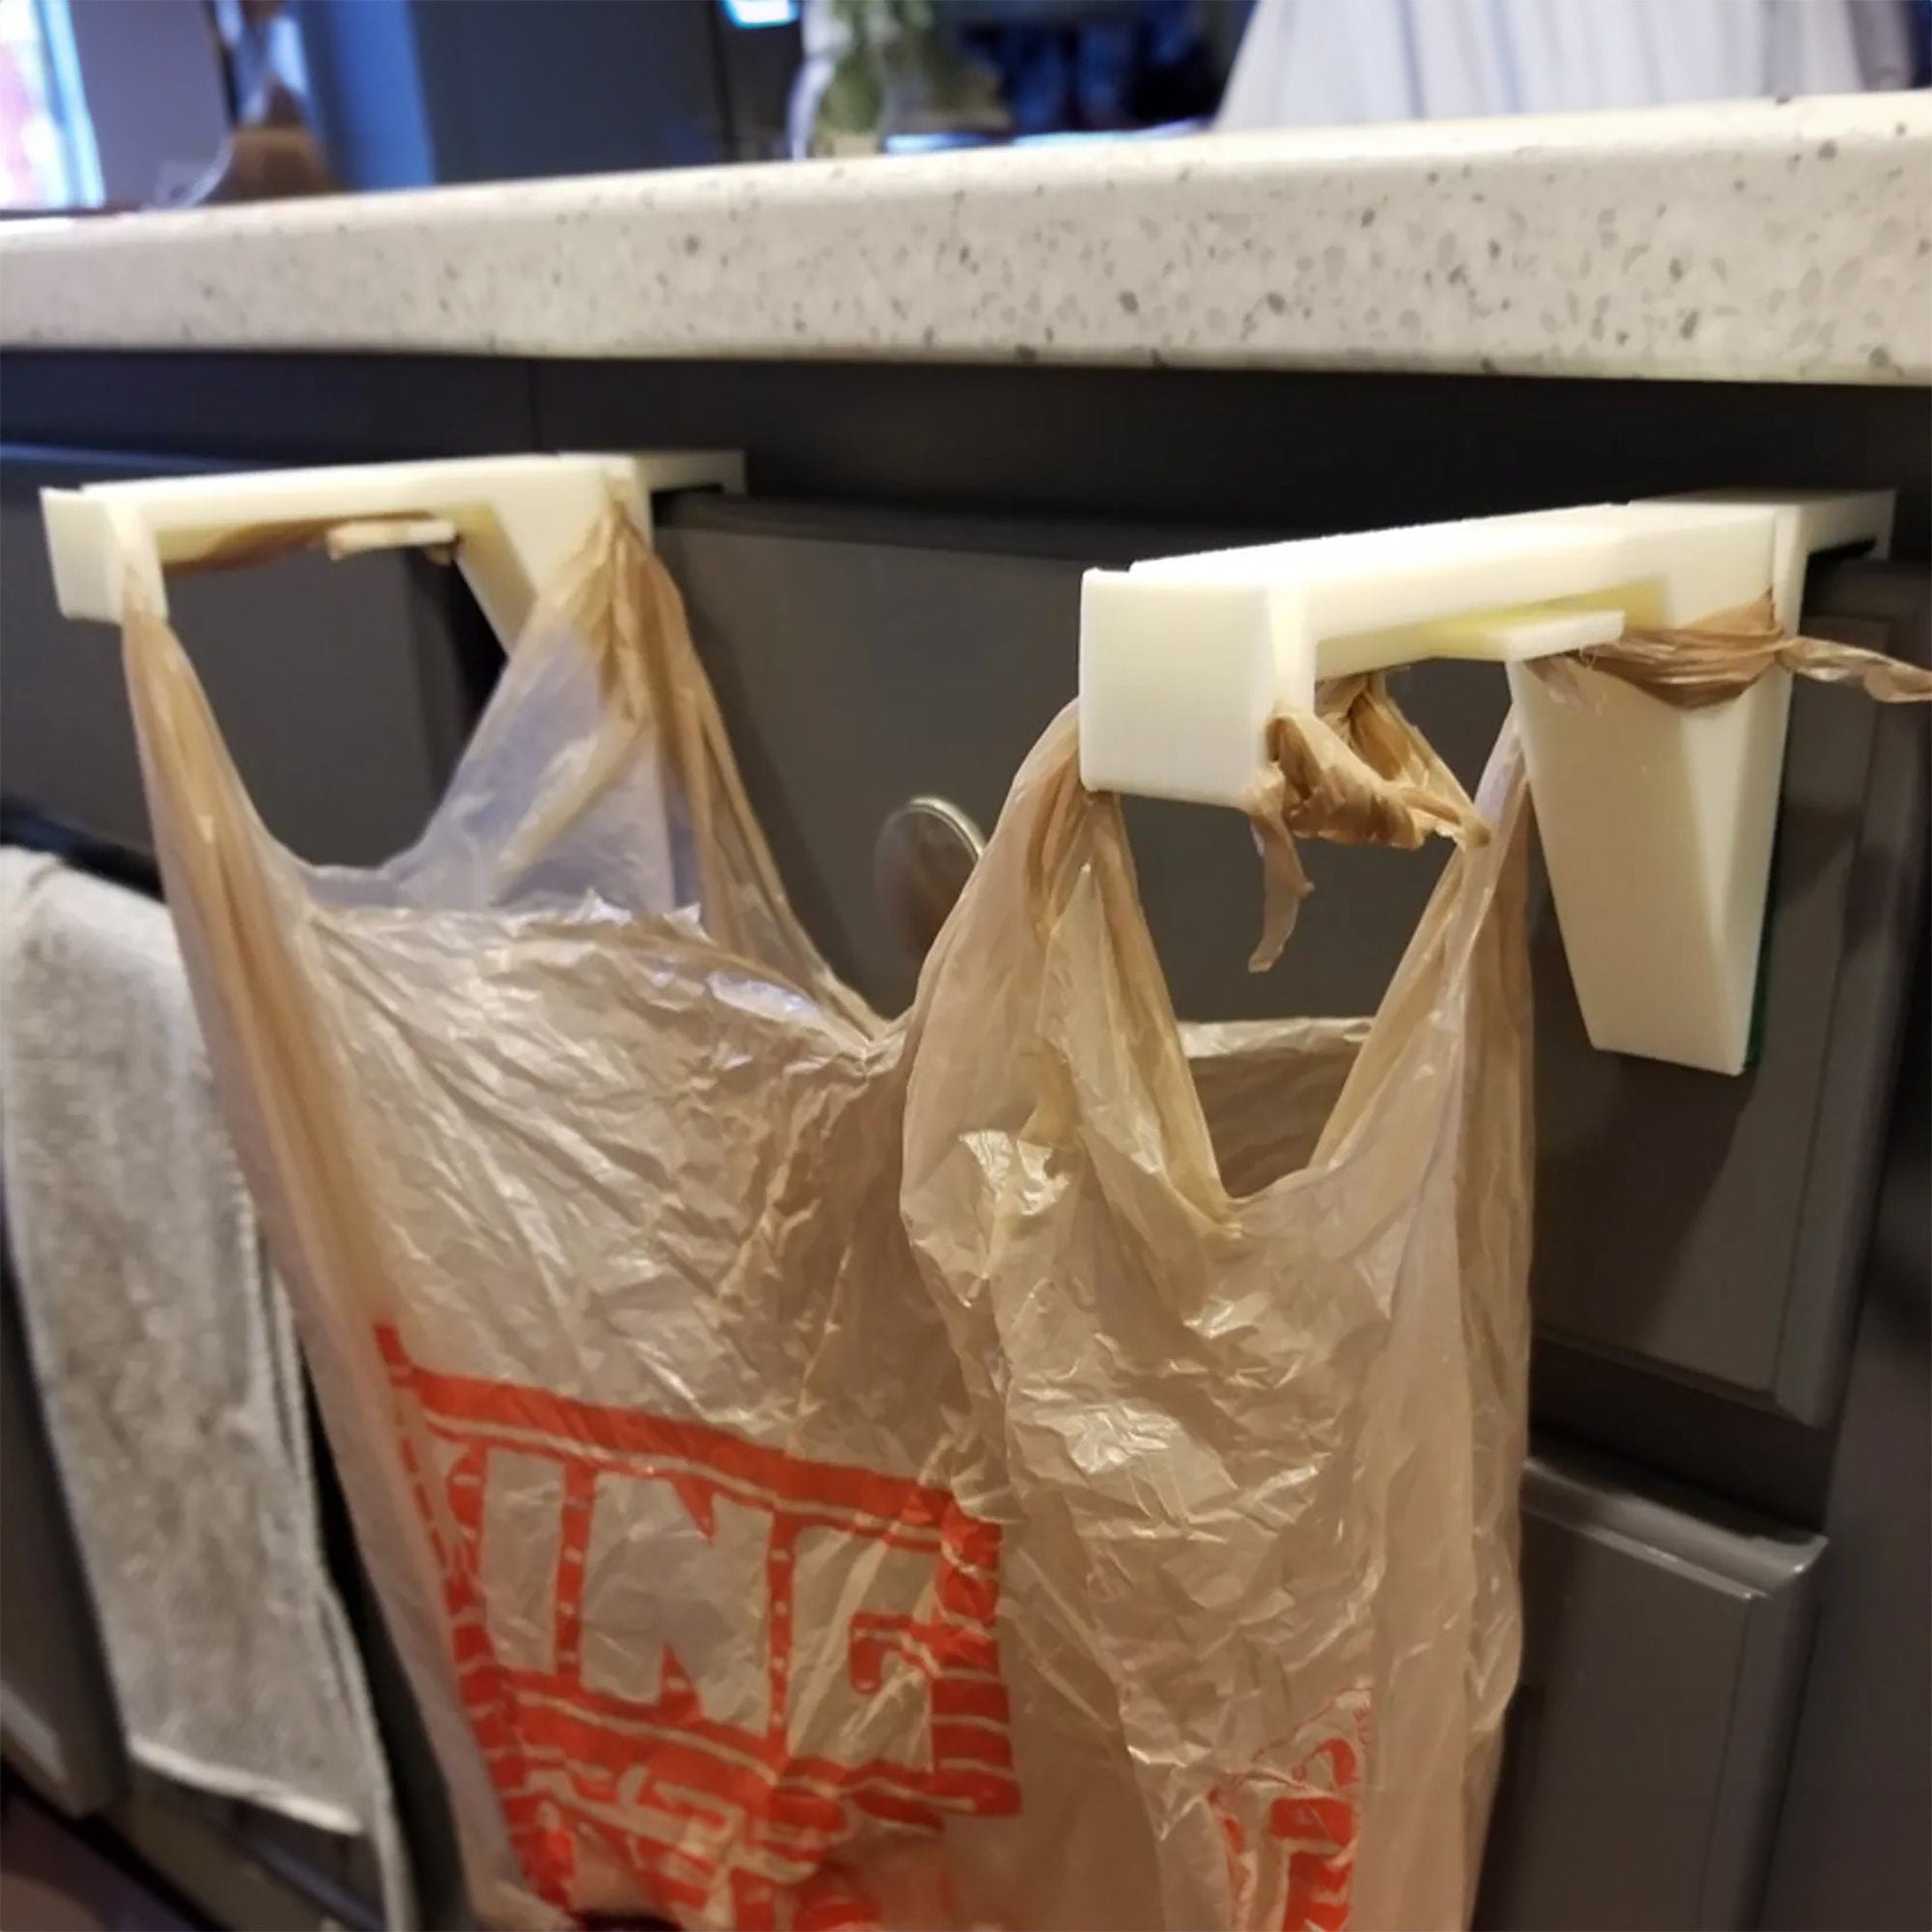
1062,827
1354,770
617,598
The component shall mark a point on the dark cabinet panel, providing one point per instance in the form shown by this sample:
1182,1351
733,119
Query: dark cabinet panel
1753,1194
1852,1844
58,1717
1663,1654
263,407
1248,449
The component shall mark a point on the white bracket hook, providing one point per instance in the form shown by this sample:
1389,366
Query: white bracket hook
1656,822
517,520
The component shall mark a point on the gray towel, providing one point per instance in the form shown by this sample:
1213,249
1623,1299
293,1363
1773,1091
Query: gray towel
166,1359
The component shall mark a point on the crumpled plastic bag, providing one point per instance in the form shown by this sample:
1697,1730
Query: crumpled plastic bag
1021,1465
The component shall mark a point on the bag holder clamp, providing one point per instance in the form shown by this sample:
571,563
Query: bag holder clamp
513,521
1657,821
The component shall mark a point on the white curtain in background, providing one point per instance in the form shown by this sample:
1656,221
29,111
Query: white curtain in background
1324,62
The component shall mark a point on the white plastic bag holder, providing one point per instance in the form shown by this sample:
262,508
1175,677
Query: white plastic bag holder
515,520
1656,821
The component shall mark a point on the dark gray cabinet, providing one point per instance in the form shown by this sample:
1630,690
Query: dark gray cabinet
1852,1847
1715,1228
1663,1651
1701,1242
57,1715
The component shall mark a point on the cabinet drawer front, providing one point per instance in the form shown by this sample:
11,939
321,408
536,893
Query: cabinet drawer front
1716,1226
57,1715
1663,1656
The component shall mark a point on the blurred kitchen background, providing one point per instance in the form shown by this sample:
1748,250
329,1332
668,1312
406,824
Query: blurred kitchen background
116,103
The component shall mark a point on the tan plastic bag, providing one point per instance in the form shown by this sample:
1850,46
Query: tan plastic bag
1259,1450
1126,1555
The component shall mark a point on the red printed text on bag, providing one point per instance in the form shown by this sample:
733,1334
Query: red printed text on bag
697,1667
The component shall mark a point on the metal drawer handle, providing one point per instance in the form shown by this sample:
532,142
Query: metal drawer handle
924,855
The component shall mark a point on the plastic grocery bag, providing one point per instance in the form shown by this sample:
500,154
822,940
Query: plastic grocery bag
1263,1445
1068,1544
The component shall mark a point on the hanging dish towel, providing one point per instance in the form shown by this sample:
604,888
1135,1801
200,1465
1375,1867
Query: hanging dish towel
167,1360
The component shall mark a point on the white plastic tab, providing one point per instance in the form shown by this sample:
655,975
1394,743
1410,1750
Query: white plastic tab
1656,821
517,518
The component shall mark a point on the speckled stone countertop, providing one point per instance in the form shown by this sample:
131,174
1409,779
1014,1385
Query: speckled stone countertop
1755,243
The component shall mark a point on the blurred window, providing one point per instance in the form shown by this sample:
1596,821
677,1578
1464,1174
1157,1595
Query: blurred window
47,156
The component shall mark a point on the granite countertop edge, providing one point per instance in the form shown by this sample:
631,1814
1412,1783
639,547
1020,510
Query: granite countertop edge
1755,241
